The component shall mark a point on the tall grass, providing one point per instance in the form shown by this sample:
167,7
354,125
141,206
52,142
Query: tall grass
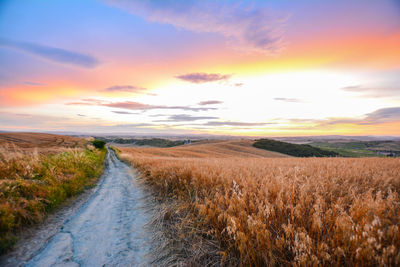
32,184
291,211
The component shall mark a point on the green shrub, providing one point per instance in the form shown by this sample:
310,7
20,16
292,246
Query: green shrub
99,144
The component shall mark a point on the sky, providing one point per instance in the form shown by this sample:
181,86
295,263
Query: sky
245,68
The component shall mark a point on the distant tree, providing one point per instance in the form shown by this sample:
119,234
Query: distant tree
99,144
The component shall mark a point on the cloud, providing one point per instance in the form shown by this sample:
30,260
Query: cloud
140,106
247,26
210,102
384,115
352,88
87,102
53,54
203,77
34,84
93,100
184,117
31,121
80,115
125,112
123,88
292,100
80,104
374,92
238,84
134,105
131,105
134,125
43,123
235,123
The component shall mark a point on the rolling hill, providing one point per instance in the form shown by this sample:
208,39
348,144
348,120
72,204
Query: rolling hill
295,150
39,141
208,149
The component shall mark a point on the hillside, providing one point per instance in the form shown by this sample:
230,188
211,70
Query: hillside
295,150
208,149
39,141
361,148
154,142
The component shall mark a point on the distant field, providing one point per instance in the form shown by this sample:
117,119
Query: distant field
37,173
260,211
207,149
153,142
360,148
346,152
46,143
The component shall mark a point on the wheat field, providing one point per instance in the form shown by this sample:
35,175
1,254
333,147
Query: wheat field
208,149
282,211
38,142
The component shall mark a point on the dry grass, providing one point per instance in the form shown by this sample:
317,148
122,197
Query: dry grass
287,211
39,142
32,183
209,149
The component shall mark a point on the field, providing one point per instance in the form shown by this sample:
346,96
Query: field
360,148
207,149
233,205
39,142
154,142
37,173
297,150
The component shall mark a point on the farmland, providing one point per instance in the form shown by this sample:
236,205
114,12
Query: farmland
207,149
39,142
293,149
234,204
37,173
361,148
155,142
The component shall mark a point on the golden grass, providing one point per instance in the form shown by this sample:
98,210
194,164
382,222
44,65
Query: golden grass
286,211
209,149
39,142
32,183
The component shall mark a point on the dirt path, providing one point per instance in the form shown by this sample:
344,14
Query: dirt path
107,230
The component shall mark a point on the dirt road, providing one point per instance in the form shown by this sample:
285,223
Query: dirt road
107,230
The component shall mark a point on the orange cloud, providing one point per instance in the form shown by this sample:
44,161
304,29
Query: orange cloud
28,95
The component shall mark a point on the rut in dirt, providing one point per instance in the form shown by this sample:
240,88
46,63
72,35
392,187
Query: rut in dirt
108,230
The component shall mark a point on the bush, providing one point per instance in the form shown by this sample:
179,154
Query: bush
99,144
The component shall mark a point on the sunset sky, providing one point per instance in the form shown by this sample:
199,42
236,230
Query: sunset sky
249,68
